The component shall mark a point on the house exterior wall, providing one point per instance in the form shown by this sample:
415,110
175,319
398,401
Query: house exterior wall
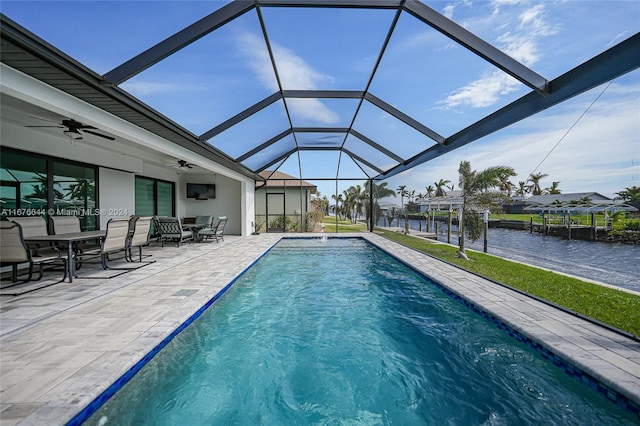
228,201
140,154
116,195
294,207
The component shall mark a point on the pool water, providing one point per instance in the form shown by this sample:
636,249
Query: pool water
338,333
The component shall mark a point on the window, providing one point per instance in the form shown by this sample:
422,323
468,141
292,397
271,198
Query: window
33,184
154,197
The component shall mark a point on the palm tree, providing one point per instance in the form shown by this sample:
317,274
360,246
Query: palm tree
379,191
430,191
535,182
354,199
402,191
630,196
522,188
553,189
440,185
477,197
338,206
506,185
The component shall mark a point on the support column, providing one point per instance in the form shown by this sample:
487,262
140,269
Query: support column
371,204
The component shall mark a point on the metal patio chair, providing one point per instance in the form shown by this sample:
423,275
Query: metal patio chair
14,252
139,236
171,230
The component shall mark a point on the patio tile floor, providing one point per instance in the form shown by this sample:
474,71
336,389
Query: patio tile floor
63,345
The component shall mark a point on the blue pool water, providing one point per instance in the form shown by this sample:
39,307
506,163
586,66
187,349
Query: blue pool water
339,333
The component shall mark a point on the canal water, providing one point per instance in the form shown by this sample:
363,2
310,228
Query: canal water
611,263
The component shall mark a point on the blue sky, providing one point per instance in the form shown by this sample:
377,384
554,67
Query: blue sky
423,74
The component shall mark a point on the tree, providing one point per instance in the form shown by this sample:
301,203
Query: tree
630,196
402,191
477,197
553,189
379,191
535,182
354,201
522,188
505,184
338,206
430,191
440,185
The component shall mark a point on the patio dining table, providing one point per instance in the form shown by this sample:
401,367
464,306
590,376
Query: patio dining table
69,239
195,229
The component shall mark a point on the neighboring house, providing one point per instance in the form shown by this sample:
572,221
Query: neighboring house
519,205
453,200
282,196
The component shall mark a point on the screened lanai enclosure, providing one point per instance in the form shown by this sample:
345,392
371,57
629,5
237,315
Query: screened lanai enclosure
320,91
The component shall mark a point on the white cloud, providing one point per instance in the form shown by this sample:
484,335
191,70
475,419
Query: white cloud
520,40
601,153
311,109
483,92
619,37
294,73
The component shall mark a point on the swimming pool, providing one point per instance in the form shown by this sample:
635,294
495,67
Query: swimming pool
338,332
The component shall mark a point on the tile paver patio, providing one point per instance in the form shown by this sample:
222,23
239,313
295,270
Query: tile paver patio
63,345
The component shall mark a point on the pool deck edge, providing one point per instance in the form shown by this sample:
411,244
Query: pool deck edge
61,347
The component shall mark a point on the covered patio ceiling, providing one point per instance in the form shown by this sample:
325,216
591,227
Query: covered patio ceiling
351,121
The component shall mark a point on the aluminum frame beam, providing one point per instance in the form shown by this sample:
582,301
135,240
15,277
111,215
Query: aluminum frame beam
614,62
323,94
477,45
405,118
368,4
260,147
177,41
241,116
374,145
362,160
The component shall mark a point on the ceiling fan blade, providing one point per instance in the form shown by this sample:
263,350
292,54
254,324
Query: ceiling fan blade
98,134
44,119
59,127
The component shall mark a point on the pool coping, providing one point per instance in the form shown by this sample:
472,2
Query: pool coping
604,356
597,373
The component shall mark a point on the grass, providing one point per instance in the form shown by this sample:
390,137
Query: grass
329,223
607,305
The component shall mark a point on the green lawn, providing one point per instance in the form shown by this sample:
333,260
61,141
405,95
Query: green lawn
329,223
607,305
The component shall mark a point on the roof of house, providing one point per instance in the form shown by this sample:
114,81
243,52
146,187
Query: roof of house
565,198
282,180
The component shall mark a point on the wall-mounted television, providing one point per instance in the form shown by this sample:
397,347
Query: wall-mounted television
201,191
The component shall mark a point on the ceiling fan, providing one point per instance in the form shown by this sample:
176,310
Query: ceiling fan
182,164
74,129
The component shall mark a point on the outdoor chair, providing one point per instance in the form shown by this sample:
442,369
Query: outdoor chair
14,251
32,226
115,240
217,230
205,221
70,224
139,237
171,230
